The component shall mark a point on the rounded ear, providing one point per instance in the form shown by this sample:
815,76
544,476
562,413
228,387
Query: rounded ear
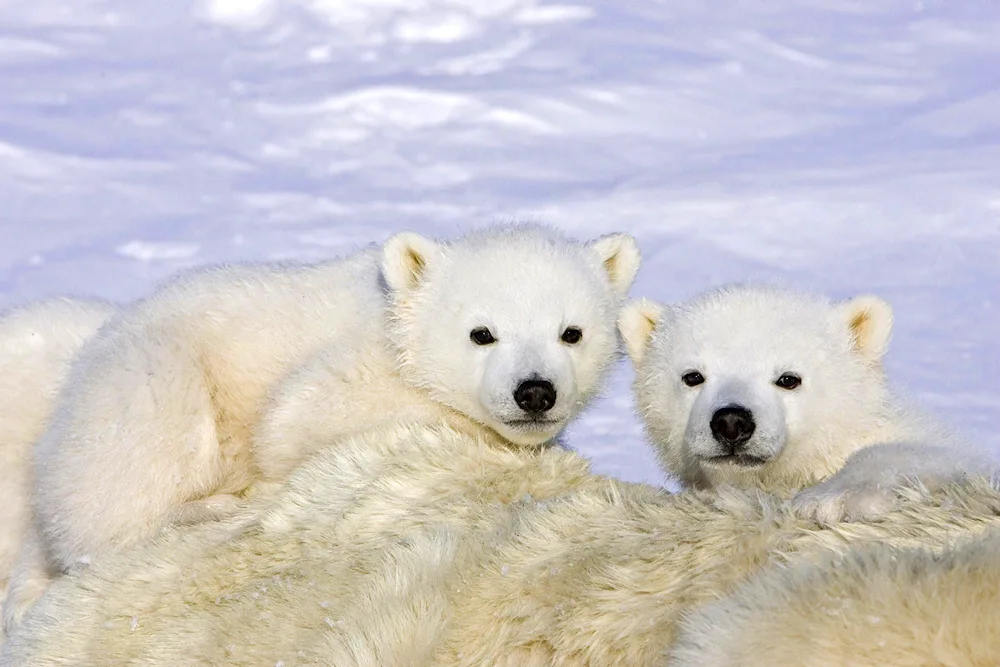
619,255
636,323
869,320
404,260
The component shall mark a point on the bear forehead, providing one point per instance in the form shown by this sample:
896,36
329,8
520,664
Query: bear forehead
746,337
500,303
766,319
771,303
737,348
520,283
520,261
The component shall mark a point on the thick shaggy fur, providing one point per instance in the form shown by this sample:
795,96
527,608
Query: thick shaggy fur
159,427
742,343
37,344
872,606
425,546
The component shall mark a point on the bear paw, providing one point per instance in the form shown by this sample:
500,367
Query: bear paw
833,501
867,486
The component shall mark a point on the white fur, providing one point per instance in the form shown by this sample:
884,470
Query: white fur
742,339
864,489
525,284
159,428
37,344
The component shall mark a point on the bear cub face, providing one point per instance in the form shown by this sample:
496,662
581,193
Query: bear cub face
513,327
756,385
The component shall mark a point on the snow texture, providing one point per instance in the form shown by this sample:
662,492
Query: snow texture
841,145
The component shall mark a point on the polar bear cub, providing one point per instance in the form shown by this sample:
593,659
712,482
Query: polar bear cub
761,386
37,344
509,332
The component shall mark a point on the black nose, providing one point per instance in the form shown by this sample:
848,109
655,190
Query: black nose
535,396
732,426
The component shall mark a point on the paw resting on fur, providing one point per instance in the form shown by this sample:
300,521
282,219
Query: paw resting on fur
833,501
868,484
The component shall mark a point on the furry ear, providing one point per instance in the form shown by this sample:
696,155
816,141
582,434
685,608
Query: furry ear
404,260
620,257
869,320
636,323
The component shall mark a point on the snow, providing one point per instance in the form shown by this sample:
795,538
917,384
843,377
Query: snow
841,145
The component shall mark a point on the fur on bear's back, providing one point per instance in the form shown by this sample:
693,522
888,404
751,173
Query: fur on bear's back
341,512
421,545
874,605
226,317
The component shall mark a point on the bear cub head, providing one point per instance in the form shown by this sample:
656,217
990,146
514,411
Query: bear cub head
758,386
512,326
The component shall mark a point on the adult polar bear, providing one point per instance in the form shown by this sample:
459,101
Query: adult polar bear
426,546
505,333
37,345
767,387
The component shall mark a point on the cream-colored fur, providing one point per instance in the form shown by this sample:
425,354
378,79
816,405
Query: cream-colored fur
162,401
158,427
37,343
425,546
872,606
740,341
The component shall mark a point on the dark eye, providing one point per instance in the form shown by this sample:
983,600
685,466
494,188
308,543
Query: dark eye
788,381
572,335
693,378
482,336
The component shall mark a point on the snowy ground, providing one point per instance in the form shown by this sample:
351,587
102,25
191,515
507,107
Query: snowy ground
842,145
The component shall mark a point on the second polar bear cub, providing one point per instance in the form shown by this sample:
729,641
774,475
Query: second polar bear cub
506,333
761,386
